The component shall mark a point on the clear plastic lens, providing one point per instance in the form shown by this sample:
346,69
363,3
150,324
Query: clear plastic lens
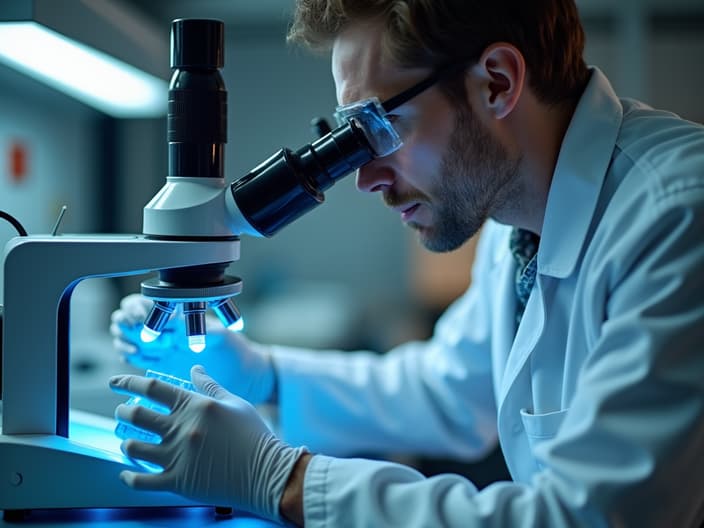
370,117
147,335
196,343
237,326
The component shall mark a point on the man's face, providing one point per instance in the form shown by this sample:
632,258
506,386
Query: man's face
450,174
474,178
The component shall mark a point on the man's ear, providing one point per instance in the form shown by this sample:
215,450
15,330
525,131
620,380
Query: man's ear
502,70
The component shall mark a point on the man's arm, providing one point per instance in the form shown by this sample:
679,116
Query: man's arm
291,505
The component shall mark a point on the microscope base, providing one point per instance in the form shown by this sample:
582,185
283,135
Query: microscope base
53,472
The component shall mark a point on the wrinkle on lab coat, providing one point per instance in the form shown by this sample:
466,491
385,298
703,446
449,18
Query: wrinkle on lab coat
597,399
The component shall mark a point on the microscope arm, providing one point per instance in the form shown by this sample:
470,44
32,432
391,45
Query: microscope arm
40,274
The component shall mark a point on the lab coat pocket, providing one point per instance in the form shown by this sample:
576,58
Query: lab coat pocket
541,427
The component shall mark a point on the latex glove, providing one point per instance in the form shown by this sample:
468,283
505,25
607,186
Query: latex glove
215,448
243,366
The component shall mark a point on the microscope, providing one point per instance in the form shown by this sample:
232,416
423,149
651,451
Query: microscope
191,235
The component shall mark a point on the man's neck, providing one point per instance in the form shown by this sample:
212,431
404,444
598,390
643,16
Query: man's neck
539,131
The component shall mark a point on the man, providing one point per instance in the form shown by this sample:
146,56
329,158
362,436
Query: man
579,343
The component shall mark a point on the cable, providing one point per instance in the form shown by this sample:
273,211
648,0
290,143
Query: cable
16,223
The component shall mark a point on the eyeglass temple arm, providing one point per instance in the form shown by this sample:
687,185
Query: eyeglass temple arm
397,100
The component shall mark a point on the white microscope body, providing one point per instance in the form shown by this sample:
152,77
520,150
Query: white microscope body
46,461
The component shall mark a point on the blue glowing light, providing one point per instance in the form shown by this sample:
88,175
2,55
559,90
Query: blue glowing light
196,343
237,326
147,335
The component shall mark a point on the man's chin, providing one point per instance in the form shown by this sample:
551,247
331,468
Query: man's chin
428,238
434,242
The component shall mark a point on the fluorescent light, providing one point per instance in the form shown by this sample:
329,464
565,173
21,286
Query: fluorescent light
93,77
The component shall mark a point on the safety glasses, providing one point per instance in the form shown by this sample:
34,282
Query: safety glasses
370,115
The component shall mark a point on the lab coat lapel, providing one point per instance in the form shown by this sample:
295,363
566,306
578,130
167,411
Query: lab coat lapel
512,348
514,390
584,159
503,323
527,336
581,168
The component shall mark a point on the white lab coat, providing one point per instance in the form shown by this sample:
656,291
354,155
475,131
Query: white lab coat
597,399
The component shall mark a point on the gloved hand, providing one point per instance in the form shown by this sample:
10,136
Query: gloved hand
244,367
215,448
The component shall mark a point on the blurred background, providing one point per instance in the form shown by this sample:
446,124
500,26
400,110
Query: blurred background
348,274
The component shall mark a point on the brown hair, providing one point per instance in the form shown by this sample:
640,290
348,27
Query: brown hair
434,33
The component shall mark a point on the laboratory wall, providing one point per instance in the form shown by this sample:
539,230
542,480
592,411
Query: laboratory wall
651,50
49,159
58,152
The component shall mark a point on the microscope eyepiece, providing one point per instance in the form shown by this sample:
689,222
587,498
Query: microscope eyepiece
289,184
197,118
197,43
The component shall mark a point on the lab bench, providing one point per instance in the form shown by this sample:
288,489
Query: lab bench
99,429
134,517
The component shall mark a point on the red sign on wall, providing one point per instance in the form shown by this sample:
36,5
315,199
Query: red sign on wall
18,161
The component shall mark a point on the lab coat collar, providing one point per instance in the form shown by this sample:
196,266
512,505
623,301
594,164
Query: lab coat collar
583,161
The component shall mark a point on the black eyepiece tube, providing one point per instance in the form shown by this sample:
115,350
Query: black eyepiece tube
197,118
289,184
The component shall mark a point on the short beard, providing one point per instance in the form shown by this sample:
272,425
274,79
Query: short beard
477,177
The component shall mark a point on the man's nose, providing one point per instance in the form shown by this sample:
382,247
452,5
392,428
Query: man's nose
374,176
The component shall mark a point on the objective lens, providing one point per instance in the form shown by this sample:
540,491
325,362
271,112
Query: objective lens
195,324
147,335
237,326
156,320
228,314
196,343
